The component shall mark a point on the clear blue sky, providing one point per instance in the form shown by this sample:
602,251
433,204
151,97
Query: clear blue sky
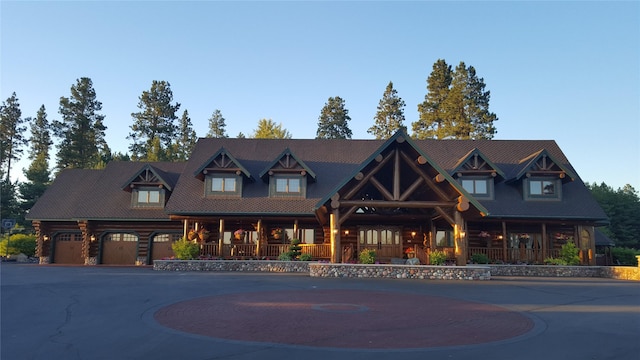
567,71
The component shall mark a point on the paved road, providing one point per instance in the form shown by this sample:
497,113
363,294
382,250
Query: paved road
57,312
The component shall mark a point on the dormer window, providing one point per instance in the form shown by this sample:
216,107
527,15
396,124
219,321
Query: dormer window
476,186
542,189
288,186
223,185
146,197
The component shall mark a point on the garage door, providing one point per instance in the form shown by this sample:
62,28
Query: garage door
120,249
68,249
162,246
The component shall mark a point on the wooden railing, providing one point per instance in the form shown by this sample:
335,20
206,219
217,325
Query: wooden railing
530,256
317,251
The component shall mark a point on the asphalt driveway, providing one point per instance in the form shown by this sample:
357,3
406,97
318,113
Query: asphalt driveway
58,312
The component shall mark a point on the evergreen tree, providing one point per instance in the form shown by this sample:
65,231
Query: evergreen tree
217,125
81,131
38,173
268,129
11,135
9,205
240,135
333,122
187,138
622,206
390,115
156,119
456,105
431,120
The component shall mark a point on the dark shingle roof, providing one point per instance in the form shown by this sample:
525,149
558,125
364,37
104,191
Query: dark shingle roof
98,194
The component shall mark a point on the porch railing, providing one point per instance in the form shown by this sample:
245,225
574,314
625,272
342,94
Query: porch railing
530,256
317,251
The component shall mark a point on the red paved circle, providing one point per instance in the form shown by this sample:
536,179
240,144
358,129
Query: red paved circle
345,319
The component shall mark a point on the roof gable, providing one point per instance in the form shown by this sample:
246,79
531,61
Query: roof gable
221,161
287,161
541,163
147,175
476,163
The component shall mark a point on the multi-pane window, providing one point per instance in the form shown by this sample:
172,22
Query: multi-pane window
148,197
543,188
288,185
476,186
223,185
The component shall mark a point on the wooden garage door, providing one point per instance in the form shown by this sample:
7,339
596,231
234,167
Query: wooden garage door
68,249
162,245
120,249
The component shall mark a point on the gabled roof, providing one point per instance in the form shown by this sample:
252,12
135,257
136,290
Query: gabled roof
530,164
286,155
147,175
469,159
222,153
401,136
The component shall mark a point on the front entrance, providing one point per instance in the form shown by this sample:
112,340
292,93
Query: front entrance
387,241
120,249
68,249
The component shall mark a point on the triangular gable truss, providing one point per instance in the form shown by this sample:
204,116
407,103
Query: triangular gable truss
148,175
541,163
476,163
287,162
221,161
421,186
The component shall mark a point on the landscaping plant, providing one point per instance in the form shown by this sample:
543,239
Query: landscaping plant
185,249
367,256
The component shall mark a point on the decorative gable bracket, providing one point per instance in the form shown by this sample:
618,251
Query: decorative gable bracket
287,163
221,162
542,163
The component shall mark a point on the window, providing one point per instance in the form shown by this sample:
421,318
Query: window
477,187
148,197
539,189
121,237
444,238
287,186
223,185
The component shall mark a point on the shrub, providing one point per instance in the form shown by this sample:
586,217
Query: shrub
19,243
554,261
286,256
295,249
305,257
625,256
185,249
479,259
569,253
367,256
437,257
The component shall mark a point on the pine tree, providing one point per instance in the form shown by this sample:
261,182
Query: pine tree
390,115
217,125
431,121
81,131
333,122
156,119
268,129
11,135
456,105
38,173
187,138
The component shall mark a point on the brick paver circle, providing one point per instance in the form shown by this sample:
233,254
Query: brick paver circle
345,319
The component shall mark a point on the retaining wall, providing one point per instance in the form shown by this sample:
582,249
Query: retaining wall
425,272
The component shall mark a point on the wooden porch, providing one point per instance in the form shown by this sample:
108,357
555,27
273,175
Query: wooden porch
269,251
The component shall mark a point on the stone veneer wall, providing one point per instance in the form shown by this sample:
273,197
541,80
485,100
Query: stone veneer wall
423,272
613,272
231,265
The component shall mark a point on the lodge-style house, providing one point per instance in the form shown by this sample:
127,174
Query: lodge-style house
516,201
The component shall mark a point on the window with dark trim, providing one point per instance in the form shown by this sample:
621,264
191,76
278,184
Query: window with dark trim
479,187
223,185
151,197
542,189
288,186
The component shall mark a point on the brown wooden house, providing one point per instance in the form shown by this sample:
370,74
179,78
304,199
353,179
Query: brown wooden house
516,201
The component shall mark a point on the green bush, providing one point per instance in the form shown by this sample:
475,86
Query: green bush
479,259
554,261
625,256
305,257
295,249
185,249
19,243
286,256
367,256
437,257
569,253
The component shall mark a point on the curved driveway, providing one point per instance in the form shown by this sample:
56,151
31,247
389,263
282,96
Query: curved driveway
58,312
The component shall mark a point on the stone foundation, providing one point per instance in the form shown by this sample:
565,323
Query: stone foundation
231,265
612,272
422,272
91,260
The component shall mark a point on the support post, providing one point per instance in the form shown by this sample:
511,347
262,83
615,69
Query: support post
334,228
220,238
